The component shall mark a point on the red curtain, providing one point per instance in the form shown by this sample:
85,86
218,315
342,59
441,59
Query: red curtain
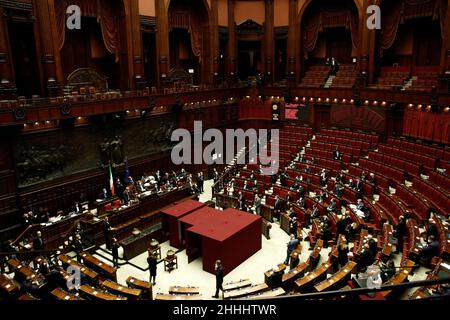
391,22
103,10
108,23
60,13
195,30
427,126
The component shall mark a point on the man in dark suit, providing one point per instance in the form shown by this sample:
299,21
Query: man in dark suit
359,187
431,229
301,191
115,252
301,202
430,250
333,206
104,195
288,198
152,261
38,242
315,212
337,154
277,206
291,246
400,232
107,232
219,278
257,204
77,246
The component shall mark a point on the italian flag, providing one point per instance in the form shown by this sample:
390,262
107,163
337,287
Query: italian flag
111,181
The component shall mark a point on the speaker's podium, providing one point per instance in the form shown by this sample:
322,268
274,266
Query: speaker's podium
231,236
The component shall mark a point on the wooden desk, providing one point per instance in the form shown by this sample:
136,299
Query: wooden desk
60,294
237,285
310,279
170,297
184,290
8,286
266,295
399,277
337,279
294,274
97,294
89,273
285,222
246,291
314,257
27,297
120,290
25,273
144,286
269,273
386,249
100,266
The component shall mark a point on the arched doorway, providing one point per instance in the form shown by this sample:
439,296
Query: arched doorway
329,29
189,41
411,36
99,43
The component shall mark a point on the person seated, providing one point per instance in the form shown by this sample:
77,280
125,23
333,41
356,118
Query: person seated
301,191
360,205
140,187
363,176
428,251
431,230
337,154
307,169
387,270
104,195
315,212
333,206
255,186
351,184
366,258
301,202
245,186
338,190
295,186
288,198
299,178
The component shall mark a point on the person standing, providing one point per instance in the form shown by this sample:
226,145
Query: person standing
152,261
291,246
219,278
115,252
257,204
400,232
107,233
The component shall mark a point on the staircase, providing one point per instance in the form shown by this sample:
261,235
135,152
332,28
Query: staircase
329,82
408,83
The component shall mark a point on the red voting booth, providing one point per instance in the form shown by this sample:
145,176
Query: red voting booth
172,216
231,236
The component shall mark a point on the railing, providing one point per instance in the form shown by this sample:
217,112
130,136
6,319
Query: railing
232,170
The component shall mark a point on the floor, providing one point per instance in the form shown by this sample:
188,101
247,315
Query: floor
191,274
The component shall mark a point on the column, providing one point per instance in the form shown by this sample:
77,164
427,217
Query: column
232,50
136,53
162,40
48,51
6,64
214,28
269,40
292,42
